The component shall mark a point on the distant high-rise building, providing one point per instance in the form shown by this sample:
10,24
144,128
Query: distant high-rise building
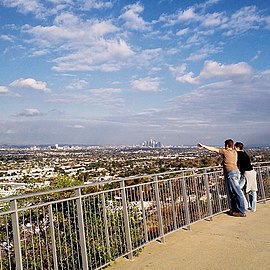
151,143
56,146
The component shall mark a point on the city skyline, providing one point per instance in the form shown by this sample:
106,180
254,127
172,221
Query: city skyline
118,72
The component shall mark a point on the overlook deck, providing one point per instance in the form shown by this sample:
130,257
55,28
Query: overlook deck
225,243
90,226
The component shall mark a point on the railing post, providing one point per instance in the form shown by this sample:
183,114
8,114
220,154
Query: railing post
173,205
106,225
143,215
261,183
218,192
126,220
16,235
159,214
81,230
268,177
197,197
183,182
206,183
54,252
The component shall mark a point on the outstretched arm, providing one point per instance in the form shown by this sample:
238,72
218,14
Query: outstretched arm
210,148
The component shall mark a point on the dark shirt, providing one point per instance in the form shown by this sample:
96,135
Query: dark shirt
243,162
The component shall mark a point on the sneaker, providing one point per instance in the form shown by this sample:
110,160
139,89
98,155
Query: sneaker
237,214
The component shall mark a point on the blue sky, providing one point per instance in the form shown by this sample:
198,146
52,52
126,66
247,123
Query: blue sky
121,72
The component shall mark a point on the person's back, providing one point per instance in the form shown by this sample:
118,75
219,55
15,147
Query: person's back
229,159
244,162
248,176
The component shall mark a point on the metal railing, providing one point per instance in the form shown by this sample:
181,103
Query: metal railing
87,227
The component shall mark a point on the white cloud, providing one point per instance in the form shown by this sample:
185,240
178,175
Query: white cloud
203,53
243,20
187,78
42,9
39,52
105,55
30,83
147,57
10,131
214,19
188,15
9,38
146,84
76,126
107,98
95,4
104,98
78,85
3,90
29,112
24,6
207,3
110,67
83,44
178,70
182,32
105,91
214,70
218,103
132,18
66,19
69,28
256,56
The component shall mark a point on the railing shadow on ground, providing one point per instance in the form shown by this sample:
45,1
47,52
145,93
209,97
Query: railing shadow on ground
89,226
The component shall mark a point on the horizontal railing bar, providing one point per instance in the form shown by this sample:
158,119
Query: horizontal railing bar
118,180
45,192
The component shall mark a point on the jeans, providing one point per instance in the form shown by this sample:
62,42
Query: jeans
237,197
251,196
242,184
252,199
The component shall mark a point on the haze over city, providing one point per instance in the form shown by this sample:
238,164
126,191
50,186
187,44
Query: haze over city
121,72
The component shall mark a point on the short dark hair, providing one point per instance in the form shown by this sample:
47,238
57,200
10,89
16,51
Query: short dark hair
229,143
239,145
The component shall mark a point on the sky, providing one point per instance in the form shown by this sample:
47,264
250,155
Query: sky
118,72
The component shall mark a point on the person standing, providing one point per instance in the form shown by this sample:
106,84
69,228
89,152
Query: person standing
248,176
231,175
